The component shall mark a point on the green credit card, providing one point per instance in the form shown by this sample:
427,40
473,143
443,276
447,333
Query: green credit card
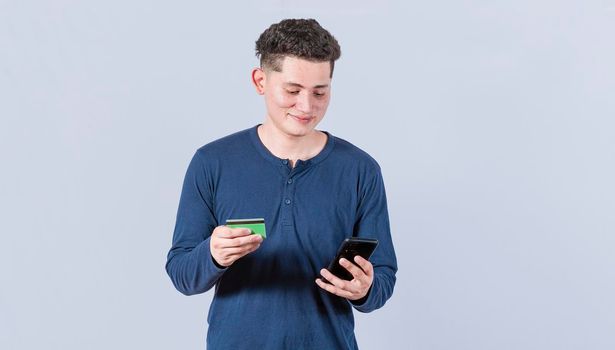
256,225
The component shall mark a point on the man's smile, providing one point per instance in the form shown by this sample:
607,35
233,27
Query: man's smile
301,118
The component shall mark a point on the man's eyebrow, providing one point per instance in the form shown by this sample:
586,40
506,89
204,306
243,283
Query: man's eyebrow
320,86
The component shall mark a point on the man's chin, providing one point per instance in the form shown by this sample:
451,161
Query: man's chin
293,129
299,130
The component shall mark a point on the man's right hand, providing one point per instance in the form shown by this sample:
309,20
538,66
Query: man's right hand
229,244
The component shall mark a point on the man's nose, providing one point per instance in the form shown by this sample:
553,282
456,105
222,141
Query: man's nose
304,103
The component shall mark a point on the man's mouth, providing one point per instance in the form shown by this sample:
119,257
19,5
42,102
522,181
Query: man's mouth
301,118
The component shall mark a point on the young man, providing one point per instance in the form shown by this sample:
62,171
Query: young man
313,190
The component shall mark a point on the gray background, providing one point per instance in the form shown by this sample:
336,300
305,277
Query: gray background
492,121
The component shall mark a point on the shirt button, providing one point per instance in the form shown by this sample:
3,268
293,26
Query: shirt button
285,162
290,181
287,201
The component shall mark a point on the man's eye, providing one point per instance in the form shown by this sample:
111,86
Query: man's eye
319,94
292,92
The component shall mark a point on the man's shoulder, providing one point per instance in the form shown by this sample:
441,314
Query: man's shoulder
346,151
227,145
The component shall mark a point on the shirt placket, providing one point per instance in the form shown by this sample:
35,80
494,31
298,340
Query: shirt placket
288,196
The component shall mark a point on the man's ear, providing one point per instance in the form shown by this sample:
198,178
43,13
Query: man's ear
258,79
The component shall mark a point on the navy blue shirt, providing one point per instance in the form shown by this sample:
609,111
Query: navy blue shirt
268,299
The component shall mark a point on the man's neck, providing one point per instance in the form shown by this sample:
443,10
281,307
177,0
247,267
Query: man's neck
291,147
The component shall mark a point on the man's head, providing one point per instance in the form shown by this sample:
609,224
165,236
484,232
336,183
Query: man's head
300,38
297,57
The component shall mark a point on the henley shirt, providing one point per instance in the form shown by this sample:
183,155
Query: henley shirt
268,299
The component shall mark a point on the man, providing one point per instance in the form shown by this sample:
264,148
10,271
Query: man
312,189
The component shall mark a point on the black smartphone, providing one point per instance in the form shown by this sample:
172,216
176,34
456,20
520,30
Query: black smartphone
350,248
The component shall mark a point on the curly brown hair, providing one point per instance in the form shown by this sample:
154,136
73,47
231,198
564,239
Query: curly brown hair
301,38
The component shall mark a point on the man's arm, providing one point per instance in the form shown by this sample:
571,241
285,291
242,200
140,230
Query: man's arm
189,262
373,282
373,221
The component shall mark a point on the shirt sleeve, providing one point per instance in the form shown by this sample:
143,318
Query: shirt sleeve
189,262
373,222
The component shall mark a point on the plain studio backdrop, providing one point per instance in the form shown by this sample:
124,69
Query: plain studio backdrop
494,124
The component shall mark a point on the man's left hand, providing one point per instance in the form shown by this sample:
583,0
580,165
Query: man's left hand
357,288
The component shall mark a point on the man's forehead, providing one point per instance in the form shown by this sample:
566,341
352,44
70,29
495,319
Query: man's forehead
295,84
299,72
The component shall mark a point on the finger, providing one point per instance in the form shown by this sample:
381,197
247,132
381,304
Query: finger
336,281
365,265
241,241
248,248
243,250
227,232
234,256
355,271
251,248
240,231
332,289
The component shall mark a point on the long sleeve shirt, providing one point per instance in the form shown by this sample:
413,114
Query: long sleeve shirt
268,299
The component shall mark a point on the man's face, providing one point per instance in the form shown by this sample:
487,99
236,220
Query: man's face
298,96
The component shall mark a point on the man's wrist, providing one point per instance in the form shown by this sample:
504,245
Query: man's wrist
216,263
361,301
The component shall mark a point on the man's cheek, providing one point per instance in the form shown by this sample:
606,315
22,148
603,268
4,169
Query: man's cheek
284,102
322,107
